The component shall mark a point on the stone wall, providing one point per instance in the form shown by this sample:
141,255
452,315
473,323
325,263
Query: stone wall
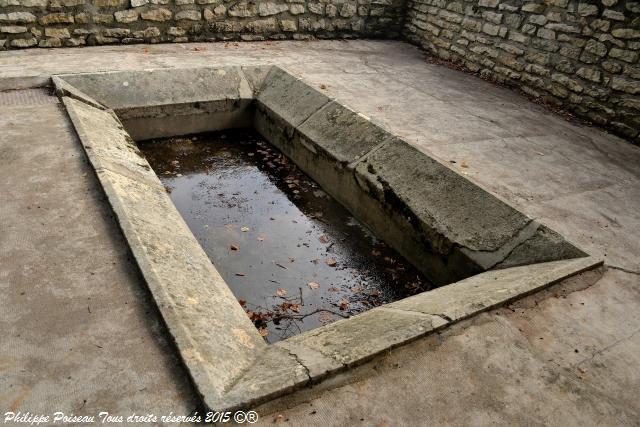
54,23
580,55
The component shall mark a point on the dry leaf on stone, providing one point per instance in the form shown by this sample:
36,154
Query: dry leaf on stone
234,247
313,285
281,292
331,262
263,332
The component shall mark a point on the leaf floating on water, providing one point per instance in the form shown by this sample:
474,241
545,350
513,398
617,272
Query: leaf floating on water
331,262
323,239
260,238
244,229
263,332
229,227
234,247
281,292
325,317
313,285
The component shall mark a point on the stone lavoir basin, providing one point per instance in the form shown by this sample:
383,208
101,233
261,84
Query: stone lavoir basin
474,250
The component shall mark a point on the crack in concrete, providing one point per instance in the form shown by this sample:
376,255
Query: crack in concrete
298,126
602,350
625,270
366,155
487,258
299,361
406,310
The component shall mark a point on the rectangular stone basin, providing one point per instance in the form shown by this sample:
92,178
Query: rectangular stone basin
480,250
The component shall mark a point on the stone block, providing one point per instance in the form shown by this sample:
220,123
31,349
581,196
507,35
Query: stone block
127,16
22,43
289,98
623,55
60,33
157,15
56,18
243,10
13,29
17,18
188,15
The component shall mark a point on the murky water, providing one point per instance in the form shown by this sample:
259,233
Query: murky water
293,256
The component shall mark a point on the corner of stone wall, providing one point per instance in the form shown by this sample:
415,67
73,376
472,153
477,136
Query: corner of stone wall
582,56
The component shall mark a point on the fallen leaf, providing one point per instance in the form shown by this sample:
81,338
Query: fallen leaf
323,87
229,227
242,302
325,317
240,274
333,289
234,247
281,292
279,418
313,285
343,304
263,332
323,239
331,262
244,229
464,164
261,238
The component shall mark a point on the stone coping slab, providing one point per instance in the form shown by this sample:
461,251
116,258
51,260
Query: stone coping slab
375,174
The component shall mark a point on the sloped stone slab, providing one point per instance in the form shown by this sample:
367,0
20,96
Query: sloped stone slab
216,339
289,98
453,219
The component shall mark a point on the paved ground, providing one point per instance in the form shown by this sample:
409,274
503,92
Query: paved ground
81,334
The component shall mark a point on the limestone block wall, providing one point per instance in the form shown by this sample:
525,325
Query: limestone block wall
54,23
581,55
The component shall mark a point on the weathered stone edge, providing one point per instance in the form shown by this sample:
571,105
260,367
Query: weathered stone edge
322,352
244,89
63,88
208,378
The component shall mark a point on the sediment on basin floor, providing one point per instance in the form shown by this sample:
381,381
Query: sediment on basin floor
294,257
